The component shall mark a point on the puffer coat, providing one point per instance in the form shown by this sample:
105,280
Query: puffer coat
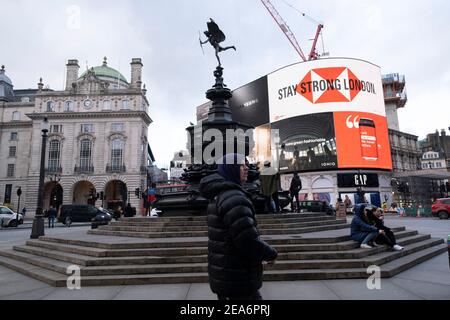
235,250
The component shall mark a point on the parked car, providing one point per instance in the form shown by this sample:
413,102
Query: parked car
69,213
9,218
441,208
316,206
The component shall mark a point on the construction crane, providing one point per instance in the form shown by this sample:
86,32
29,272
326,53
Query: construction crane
290,35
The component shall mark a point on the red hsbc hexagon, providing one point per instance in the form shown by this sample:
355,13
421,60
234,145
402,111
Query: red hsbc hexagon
334,84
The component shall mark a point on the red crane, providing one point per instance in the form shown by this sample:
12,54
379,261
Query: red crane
290,35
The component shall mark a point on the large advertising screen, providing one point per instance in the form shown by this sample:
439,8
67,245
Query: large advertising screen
330,114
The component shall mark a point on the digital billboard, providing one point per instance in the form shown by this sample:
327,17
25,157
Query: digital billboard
330,114
332,111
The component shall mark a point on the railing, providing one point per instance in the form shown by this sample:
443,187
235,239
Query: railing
393,77
115,168
53,170
83,169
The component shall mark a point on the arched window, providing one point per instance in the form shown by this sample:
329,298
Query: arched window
68,106
106,105
125,104
116,153
50,106
85,153
54,152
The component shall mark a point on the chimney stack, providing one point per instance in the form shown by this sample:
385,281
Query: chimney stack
72,73
136,73
40,85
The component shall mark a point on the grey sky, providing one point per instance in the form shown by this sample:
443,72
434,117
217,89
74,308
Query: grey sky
408,37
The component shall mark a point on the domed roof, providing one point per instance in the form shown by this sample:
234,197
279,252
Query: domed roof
4,77
105,71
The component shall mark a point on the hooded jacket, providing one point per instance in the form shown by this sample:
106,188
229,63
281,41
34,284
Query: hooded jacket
235,250
359,228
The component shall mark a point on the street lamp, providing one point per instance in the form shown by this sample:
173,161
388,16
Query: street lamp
38,221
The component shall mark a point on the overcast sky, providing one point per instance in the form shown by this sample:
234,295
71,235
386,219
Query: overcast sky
408,37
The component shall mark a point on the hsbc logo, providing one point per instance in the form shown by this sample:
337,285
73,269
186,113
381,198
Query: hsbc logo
325,85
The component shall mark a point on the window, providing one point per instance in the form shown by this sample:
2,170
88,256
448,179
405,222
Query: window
50,106
117,127
13,136
12,151
438,165
56,128
125,104
87,128
107,105
8,191
53,154
85,153
11,170
116,153
68,106
16,116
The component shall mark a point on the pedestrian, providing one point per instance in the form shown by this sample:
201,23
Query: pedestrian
151,196
270,180
24,212
347,201
361,229
51,214
388,238
235,249
294,189
341,209
128,210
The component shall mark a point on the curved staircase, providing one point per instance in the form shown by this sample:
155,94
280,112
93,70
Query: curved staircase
174,250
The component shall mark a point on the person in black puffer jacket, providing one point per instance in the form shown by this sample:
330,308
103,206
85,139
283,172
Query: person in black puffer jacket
235,250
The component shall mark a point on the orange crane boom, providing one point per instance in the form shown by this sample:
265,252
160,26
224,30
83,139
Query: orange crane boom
284,27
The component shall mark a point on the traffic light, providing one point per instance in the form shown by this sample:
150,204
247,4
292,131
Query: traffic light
102,195
19,191
137,192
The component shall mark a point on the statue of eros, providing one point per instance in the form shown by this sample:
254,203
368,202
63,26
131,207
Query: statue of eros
215,36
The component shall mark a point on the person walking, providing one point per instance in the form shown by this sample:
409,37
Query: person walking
24,212
270,180
151,197
235,249
294,189
51,213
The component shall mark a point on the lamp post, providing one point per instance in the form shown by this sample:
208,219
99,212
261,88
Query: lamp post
19,193
38,221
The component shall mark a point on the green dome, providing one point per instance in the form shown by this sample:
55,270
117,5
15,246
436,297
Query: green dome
105,71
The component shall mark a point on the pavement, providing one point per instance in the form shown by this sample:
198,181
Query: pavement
429,280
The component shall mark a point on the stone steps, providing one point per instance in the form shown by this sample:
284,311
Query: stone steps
262,227
174,250
151,222
87,257
104,230
404,259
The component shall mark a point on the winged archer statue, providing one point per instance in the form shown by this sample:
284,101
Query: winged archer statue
215,36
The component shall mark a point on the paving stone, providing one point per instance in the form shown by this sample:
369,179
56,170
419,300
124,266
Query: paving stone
154,292
85,293
297,290
200,291
424,289
36,294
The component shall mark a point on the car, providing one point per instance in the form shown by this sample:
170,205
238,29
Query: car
9,218
69,213
316,206
441,208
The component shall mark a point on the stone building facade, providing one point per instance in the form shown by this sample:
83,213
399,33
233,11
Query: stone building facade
97,142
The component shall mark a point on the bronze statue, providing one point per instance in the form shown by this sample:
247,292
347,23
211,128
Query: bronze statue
215,36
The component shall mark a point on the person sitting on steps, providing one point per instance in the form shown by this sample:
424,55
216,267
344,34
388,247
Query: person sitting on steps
388,238
361,229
